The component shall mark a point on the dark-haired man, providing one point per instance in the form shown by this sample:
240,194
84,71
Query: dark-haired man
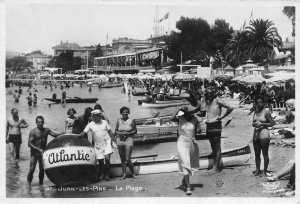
213,107
37,142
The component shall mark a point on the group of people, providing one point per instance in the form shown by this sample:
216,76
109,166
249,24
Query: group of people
94,121
207,103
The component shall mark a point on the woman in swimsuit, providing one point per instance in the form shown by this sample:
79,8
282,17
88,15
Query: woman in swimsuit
125,130
70,120
13,133
262,119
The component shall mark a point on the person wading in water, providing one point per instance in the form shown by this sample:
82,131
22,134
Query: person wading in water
37,142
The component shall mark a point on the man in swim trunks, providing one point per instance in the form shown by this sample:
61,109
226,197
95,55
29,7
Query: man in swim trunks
213,107
16,96
37,142
13,133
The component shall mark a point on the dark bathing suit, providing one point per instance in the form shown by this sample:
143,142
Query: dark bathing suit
15,138
214,129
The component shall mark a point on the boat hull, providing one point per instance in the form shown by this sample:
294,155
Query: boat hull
164,105
111,85
74,100
238,156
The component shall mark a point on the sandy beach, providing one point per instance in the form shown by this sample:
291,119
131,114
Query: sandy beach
236,181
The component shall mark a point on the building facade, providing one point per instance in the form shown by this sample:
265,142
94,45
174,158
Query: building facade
126,45
78,51
39,61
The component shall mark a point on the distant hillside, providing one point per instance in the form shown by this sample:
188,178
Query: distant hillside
10,54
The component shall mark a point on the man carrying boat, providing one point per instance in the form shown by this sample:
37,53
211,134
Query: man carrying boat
213,107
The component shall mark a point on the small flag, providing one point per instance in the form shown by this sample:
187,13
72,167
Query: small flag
165,17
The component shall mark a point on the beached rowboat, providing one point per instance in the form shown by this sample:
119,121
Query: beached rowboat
161,137
74,100
164,105
231,157
171,98
140,93
111,85
152,120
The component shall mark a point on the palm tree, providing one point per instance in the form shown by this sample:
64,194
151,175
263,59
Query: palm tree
236,48
261,37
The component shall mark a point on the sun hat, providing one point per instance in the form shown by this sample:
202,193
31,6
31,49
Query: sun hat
95,112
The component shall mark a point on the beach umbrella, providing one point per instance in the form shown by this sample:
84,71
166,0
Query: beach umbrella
255,79
184,77
238,78
283,77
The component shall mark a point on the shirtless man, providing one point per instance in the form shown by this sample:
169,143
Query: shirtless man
37,142
16,96
13,133
213,107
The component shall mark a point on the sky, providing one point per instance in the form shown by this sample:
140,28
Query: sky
33,26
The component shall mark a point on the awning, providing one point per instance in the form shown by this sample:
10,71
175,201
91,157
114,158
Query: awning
147,70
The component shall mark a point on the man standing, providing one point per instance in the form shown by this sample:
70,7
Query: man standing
13,133
213,107
37,142
63,97
16,96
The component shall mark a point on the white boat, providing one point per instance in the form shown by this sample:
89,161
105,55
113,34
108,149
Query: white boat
152,165
164,105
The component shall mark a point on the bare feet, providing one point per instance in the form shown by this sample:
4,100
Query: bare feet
212,172
123,177
257,172
107,178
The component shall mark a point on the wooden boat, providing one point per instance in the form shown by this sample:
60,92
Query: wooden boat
111,85
161,137
164,105
171,98
140,93
153,165
74,100
151,120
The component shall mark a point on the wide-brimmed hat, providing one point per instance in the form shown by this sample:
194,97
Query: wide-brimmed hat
95,112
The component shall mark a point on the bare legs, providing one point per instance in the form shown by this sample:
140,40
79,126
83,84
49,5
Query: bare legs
33,162
125,156
261,145
14,150
104,169
215,142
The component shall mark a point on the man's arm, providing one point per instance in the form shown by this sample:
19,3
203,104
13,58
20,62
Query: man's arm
31,142
229,109
24,124
53,134
111,134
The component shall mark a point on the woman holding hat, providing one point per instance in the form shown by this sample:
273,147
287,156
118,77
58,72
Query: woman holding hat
187,148
102,137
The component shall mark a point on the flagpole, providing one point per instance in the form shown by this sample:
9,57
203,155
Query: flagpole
169,24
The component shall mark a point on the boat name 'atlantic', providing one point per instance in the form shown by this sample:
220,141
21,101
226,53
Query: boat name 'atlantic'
61,156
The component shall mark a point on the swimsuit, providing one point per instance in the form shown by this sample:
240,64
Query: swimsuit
214,129
15,138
